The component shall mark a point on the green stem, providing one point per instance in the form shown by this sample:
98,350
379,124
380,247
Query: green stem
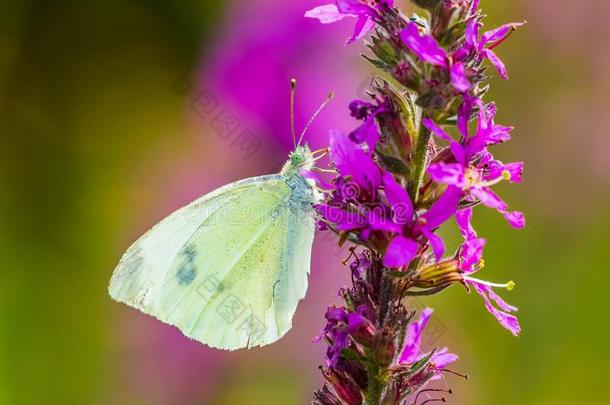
375,388
419,160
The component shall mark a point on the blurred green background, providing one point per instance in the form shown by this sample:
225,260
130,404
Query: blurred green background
100,139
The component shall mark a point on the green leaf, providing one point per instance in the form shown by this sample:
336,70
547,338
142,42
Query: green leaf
377,63
454,33
393,164
350,354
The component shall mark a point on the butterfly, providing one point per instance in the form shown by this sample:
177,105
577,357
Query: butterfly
230,268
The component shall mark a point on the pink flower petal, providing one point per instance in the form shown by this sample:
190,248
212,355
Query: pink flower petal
489,198
327,14
425,46
400,252
515,218
500,302
463,116
447,173
516,171
458,77
354,7
496,62
363,25
498,34
472,34
345,220
438,246
471,254
443,208
464,221
436,130
398,198
509,321
367,132
378,222
442,358
411,349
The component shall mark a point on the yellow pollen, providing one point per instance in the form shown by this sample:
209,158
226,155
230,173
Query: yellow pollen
472,177
506,174
510,285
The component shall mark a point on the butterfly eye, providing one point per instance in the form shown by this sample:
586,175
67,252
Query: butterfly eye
297,159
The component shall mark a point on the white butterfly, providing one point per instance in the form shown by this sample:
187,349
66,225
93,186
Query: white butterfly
228,269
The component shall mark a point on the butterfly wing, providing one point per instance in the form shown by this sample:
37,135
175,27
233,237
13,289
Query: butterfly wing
228,269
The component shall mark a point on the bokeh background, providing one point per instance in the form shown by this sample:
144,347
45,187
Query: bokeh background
103,133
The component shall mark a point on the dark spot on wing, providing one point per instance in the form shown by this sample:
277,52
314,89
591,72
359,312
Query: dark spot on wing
187,272
189,253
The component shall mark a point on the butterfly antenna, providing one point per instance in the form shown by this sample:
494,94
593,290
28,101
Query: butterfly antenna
313,117
293,85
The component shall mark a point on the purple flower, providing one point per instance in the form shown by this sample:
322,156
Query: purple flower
344,220
412,352
424,46
465,111
360,266
403,247
356,199
476,182
365,14
339,337
354,205
340,325
361,109
367,132
381,200
488,41
351,161
429,51
471,254
487,133
476,178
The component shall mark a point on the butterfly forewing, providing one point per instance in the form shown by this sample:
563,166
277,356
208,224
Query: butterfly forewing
228,269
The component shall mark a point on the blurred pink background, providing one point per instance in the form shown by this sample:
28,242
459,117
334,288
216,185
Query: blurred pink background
102,140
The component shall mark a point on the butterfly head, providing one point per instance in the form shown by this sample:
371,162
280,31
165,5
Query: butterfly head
300,158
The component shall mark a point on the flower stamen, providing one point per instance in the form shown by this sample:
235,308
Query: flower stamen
510,285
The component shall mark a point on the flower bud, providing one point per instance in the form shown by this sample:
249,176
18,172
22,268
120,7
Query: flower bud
345,388
438,274
356,370
324,396
361,329
442,16
384,50
427,4
384,347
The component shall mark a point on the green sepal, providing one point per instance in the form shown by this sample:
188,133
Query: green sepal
453,34
393,164
350,354
420,364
